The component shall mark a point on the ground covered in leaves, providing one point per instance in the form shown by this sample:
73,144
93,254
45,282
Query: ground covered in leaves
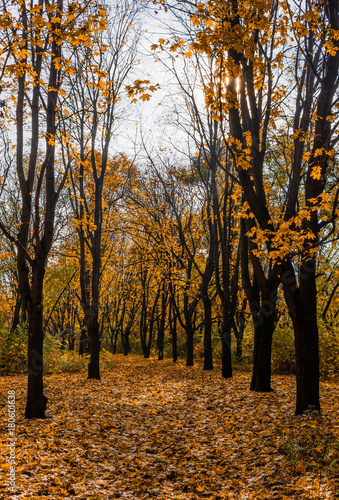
158,430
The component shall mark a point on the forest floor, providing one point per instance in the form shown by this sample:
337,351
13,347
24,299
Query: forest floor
159,430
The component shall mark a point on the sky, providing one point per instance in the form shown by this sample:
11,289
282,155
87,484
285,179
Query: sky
151,123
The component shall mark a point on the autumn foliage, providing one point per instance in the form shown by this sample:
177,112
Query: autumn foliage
153,429
214,244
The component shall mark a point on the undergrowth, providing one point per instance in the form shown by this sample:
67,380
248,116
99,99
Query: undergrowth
13,352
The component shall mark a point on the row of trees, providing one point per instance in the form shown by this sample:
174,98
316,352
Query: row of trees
274,90
171,242
63,70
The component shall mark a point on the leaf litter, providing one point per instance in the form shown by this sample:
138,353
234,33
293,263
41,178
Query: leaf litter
160,430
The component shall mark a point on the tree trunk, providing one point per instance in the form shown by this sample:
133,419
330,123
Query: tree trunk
71,343
189,345
226,353
161,325
208,354
36,401
147,350
127,347
261,294
239,329
173,330
143,334
307,362
174,346
263,333
264,316
16,315
239,349
160,343
123,339
302,306
114,341
94,341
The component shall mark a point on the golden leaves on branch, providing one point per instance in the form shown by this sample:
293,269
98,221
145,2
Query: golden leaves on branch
142,89
45,24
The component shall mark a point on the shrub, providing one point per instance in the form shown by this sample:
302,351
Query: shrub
107,360
13,350
247,347
283,353
70,361
328,349
56,360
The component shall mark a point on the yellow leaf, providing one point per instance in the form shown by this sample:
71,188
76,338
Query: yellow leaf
316,172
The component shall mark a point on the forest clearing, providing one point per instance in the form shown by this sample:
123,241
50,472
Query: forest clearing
161,430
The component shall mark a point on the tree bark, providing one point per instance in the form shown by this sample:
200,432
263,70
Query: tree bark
174,345
36,401
208,353
261,294
161,325
127,347
16,315
189,345
263,333
239,328
172,319
302,306
226,350
91,318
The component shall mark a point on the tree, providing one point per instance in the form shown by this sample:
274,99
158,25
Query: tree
249,41
213,171
33,37
93,99
165,225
